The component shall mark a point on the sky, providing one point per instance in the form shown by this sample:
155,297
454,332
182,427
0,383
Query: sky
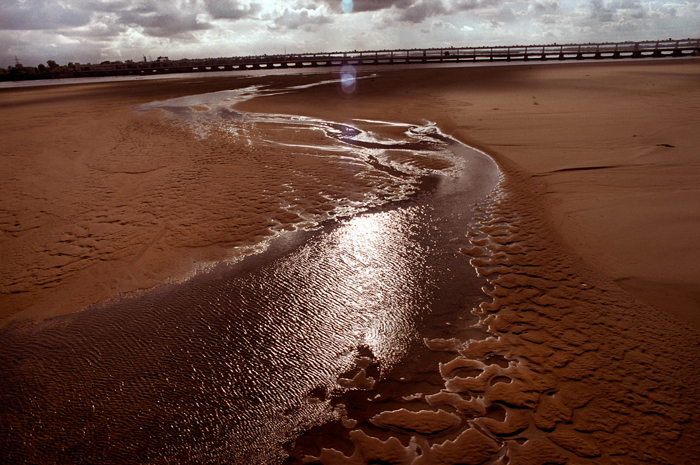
92,31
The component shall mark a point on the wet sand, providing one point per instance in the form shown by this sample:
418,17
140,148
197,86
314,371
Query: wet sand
611,147
589,245
100,200
595,138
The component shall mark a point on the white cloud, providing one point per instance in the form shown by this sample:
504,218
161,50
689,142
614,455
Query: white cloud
40,15
300,19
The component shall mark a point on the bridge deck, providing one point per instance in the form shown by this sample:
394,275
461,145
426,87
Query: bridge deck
648,49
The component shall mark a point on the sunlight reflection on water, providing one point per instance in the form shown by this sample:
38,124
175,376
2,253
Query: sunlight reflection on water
228,367
377,267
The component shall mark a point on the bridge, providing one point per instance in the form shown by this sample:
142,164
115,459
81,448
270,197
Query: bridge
647,49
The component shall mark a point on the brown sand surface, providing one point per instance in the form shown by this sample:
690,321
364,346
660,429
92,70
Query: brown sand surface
99,199
595,137
589,247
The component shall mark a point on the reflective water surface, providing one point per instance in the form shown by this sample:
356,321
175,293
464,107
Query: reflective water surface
233,364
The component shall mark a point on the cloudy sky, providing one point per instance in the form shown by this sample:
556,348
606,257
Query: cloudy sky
97,30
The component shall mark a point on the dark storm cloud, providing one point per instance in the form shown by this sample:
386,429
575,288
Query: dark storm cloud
107,6
175,18
545,7
495,12
163,23
158,18
369,5
470,5
417,11
420,10
40,14
374,5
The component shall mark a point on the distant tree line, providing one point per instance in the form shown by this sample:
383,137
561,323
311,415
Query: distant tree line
50,70
43,71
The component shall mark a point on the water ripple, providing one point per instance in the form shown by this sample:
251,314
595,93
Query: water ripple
229,366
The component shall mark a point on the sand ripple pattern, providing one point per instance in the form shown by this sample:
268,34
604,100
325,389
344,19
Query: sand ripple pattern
569,369
219,370
233,364
144,199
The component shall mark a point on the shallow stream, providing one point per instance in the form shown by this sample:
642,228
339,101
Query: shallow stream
235,362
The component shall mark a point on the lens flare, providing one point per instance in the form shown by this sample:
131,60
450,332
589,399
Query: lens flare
348,79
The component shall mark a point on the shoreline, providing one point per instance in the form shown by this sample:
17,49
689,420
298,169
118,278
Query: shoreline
489,54
271,73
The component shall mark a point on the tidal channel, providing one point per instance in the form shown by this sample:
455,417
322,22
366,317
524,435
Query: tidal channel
235,363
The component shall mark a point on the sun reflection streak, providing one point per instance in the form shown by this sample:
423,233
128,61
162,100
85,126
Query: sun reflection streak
231,365
377,280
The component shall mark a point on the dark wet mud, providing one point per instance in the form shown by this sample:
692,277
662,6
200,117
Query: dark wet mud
562,367
234,364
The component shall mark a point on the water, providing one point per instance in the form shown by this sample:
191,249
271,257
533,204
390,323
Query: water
231,365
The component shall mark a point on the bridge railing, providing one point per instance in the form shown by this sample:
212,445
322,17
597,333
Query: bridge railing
430,55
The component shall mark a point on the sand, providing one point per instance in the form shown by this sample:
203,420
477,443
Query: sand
589,245
594,137
101,200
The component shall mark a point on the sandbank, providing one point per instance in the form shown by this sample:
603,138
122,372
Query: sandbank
590,249
611,145
589,246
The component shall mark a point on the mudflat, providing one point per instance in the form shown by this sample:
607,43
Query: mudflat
612,147
100,199
589,244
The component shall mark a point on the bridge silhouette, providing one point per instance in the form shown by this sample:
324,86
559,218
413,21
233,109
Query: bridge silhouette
646,49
